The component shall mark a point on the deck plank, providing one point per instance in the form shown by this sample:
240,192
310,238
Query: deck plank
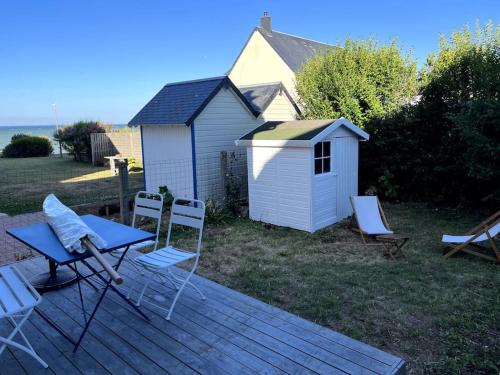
334,355
272,340
212,362
228,333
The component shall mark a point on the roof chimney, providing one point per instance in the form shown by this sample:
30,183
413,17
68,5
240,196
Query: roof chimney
265,22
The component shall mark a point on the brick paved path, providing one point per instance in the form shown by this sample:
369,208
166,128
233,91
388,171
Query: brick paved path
10,248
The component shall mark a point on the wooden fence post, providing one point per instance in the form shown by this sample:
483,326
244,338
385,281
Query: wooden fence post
123,176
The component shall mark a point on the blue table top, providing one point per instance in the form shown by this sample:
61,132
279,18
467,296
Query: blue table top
41,238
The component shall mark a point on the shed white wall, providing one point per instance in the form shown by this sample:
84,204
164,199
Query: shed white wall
279,186
280,109
259,63
222,121
167,159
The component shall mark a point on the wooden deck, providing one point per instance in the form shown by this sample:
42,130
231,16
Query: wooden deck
229,333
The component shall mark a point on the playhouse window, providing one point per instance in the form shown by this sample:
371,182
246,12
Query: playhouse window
322,157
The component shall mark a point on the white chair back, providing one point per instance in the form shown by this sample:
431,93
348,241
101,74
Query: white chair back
189,213
366,209
148,205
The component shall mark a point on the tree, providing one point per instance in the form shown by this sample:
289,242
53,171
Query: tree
360,80
75,139
460,106
446,147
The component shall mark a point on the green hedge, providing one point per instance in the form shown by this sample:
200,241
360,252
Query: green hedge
442,145
23,146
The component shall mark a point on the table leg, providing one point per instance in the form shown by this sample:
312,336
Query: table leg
108,285
56,278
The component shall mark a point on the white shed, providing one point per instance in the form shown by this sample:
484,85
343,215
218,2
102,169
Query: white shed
301,173
186,125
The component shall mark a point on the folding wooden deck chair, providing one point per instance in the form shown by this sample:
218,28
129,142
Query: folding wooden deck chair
184,212
371,221
18,299
486,231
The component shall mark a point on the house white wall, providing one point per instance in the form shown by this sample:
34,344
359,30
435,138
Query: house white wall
279,186
222,121
280,109
167,159
259,63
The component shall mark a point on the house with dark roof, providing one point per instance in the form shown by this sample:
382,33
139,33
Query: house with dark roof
302,173
186,126
270,56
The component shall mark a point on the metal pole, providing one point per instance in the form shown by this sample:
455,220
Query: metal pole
57,127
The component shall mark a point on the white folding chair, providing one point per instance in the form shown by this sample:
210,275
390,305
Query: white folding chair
146,205
189,213
488,230
18,299
369,216
371,221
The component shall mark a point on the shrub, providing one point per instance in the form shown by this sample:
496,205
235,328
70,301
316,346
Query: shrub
446,147
168,198
216,214
15,137
360,80
75,139
22,146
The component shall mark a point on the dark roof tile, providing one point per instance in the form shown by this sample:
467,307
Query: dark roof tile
295,51
302,130
180,103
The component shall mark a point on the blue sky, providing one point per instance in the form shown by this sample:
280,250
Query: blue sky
105,59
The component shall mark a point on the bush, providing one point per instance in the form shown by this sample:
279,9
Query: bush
446,148
360,80
15,137
75,139
444,145
168,198
216,214
23,146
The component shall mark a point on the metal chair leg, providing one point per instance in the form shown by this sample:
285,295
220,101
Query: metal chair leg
180,281
28,349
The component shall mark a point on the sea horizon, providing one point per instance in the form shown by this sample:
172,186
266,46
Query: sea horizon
44,130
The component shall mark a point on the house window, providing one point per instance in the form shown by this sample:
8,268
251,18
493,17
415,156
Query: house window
322,158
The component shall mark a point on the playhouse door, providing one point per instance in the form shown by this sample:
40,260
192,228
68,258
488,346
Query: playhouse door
345,165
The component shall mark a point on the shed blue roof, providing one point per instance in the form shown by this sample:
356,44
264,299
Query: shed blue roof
180,103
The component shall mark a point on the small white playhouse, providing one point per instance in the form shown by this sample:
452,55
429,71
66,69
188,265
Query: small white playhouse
301,173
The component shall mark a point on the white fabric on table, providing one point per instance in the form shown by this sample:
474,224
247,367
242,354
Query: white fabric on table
68,226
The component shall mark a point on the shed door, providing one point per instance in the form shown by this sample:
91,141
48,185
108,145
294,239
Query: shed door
324,186
345,162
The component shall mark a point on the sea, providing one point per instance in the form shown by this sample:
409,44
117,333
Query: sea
7,131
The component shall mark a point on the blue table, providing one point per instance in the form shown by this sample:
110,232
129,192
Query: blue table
42,239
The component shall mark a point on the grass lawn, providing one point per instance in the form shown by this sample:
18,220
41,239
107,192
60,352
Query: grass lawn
26,181
441,316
